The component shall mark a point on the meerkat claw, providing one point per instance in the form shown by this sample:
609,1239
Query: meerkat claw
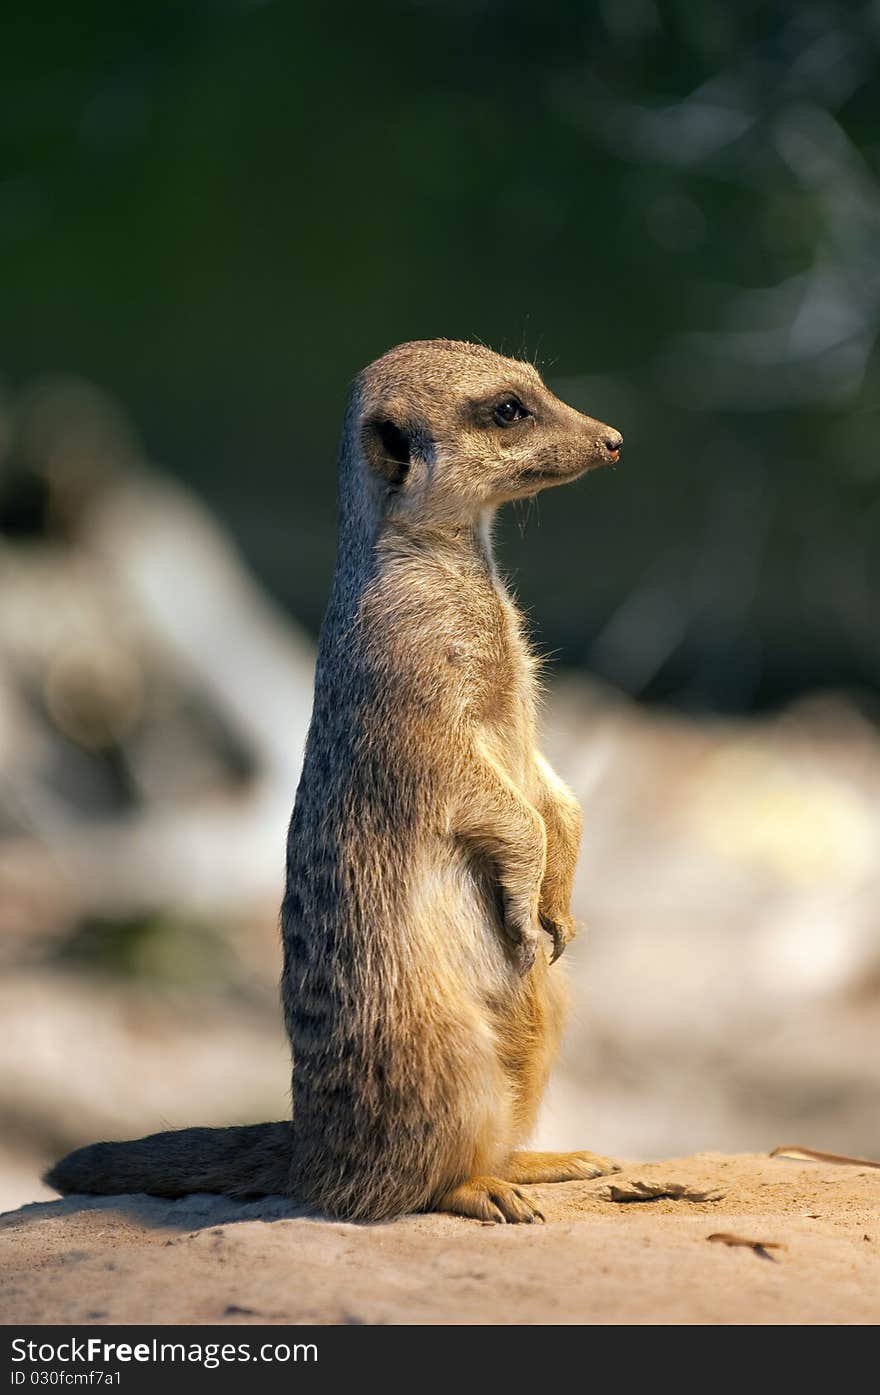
559,933
559,942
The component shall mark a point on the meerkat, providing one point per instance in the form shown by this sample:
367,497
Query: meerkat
432,849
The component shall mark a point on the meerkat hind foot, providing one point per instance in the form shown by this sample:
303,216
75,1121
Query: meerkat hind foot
558,1167
489,1199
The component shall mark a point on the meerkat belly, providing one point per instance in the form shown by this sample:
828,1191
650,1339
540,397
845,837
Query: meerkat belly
458,936
513,1024
457,919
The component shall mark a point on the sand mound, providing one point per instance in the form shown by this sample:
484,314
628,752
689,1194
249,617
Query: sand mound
596,1260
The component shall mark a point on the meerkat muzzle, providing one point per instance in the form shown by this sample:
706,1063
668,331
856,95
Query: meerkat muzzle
612,442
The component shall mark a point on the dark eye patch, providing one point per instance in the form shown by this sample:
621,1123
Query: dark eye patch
498,409
509,410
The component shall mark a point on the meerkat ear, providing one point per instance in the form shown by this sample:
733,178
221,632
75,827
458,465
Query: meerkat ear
388,447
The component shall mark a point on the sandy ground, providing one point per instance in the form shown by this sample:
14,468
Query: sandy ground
596,1260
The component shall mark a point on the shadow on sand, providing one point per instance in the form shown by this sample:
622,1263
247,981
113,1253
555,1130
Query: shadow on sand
199,1211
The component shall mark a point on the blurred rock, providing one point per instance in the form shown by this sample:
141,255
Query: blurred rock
83,1057
153,703
728,989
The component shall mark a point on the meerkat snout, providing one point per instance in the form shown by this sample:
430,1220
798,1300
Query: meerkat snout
613,443
603,444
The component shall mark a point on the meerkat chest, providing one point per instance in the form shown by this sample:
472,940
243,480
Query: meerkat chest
506,689
456,637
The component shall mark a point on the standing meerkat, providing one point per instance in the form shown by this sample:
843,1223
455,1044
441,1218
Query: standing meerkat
432,849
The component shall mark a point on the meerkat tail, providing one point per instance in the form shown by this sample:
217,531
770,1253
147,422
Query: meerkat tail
244,1161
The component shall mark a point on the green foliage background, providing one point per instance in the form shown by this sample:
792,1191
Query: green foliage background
220,210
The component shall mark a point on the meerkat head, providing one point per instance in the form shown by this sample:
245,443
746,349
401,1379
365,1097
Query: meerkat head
447,430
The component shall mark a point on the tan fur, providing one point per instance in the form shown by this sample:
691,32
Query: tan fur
432,849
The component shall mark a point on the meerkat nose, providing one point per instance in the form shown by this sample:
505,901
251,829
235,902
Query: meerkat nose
612,441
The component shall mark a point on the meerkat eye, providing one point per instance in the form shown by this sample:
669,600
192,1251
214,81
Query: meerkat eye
508,411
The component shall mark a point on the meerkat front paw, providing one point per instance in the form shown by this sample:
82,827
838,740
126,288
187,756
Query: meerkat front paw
561,929
521,926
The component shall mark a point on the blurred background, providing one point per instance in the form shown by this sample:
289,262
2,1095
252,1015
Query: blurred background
211,216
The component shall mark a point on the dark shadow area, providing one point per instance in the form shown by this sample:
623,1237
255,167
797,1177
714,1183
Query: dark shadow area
197,1212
